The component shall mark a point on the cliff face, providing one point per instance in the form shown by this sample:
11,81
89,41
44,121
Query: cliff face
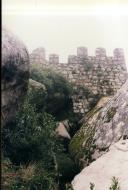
101,128
15,74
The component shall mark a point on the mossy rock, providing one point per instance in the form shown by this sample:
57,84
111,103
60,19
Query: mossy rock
110,114
103,126
82,145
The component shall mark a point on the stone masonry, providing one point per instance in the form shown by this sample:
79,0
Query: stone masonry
91,76
38,56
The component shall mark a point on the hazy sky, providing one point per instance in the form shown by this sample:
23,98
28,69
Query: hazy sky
62,25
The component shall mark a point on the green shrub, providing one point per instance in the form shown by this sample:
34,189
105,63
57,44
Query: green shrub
115,184
32,137
92,186
58,100
31,177
41,179
110,114
67,169
37,97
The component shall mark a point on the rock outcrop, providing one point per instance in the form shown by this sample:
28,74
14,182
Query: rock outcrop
112,164
15,74
62,131
81,143
112,124
102,128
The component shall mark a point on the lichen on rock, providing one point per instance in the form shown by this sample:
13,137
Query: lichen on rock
108,124
82,144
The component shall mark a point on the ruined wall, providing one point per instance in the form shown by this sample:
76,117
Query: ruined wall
92,76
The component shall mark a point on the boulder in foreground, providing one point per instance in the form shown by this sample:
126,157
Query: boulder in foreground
100,172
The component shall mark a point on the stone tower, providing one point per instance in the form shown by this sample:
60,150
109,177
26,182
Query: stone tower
38,56
53,59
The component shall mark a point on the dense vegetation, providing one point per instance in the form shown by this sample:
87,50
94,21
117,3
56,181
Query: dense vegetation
33,143
58,100
57,96
34,156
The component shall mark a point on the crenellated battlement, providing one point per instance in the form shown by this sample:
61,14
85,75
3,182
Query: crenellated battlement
91,76
80,57
82,54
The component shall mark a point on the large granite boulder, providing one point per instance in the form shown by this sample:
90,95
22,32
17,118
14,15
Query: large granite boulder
100,173
112,124
15,74
102,127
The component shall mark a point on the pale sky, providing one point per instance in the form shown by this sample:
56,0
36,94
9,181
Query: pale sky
60,26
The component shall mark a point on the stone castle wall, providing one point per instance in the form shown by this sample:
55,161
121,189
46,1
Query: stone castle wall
92,76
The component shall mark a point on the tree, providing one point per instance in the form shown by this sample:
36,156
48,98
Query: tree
32,137
58,100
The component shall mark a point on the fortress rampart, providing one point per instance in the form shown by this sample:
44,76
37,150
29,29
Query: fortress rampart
92,76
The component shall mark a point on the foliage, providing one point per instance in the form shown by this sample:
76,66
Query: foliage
37,97
30,142
66,167
30,177
92,186
110,114
35,177
82,145
115,184
32,137
59,91
10,177
53,81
